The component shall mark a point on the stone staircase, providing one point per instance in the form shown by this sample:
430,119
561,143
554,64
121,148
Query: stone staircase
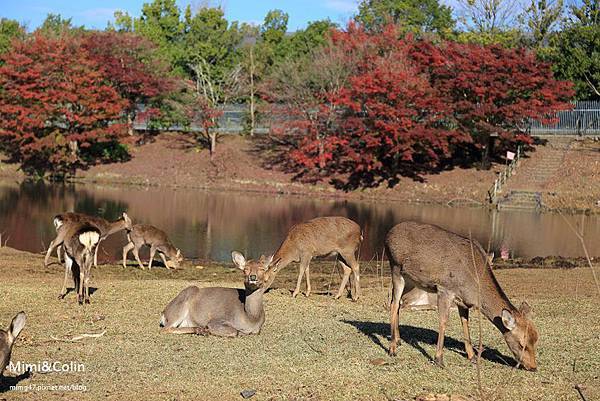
520,200
524,190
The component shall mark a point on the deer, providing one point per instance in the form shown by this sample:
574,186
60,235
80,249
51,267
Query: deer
144,234
69,218
456,269
222,311
80,243
322,236
8,338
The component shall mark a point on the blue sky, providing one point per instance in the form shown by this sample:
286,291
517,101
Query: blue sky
96,13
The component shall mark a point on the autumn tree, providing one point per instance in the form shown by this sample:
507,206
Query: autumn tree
129,62
491,91
57,111
409,106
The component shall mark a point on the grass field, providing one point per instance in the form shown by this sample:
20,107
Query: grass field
309,349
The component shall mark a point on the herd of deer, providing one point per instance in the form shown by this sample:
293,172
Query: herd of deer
429,265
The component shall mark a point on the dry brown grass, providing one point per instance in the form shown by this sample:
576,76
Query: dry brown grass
309,349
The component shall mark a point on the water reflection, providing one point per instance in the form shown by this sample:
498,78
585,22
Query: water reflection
208,225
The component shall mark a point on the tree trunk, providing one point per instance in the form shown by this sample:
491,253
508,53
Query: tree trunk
321,156
252,121
130,124
213,144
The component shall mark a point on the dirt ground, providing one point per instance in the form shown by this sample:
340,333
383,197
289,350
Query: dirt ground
577,184
172,159
309,349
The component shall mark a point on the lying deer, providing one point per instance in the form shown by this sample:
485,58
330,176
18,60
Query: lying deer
226,312
319,237
8,337
143,234
456,269
65,219
415,298
80,243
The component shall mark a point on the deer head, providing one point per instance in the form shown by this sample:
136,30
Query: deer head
256,273
521,335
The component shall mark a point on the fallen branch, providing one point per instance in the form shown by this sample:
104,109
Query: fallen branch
79,337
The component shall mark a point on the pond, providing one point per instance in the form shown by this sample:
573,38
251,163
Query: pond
209,225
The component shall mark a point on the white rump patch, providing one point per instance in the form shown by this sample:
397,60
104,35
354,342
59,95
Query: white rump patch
89,238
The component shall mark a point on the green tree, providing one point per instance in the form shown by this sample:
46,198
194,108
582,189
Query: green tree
540,18
55,24
576,50
413,15
9,29
489,22
273,37
160,23
304,41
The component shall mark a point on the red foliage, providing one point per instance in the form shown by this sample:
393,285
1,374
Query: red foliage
128,61
410,105
491,90
55,105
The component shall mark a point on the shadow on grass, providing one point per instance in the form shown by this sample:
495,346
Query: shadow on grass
415,336
6,382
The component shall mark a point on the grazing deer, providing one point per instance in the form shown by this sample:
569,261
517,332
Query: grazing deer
456,269
8,337
226,312
319,237
66,219
144,234
80,243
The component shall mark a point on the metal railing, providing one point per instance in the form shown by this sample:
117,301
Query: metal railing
583,119
503,176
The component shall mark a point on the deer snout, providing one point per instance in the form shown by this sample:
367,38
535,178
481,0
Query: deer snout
252,278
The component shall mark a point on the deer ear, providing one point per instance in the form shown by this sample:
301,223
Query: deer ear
127,220
274,266
525,309
238,259
17,325
508,320
267,262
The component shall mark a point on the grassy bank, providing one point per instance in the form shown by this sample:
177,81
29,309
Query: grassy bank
309,349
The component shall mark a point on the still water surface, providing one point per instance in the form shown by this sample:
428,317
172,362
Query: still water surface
209,225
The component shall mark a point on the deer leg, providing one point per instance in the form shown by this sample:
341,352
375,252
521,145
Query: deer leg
81,284
221,329
55,242
444,303
351,261
68,265
397,290
152,253
303,265
126,250
87,288
308,287
347,271
164,259
59,254
185,330
136,254
464,319
96,253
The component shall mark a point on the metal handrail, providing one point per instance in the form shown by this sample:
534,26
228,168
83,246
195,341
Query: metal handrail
503,176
